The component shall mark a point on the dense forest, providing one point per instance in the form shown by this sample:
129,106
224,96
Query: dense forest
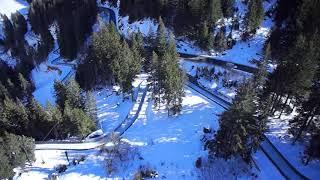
199,20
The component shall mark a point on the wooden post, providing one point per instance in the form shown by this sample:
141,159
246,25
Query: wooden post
67,156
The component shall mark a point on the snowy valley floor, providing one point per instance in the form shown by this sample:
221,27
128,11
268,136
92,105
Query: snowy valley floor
168,145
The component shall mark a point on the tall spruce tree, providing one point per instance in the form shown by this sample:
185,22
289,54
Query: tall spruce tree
228,7
254,15
14,151
90,106
204,35
240,129
161,42
15,117
307,121
215,12
8,30
173,82
154,78
40,121
76,122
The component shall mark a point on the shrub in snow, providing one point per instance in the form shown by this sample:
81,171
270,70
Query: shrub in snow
117,153
198,162
312,151
61,168
218,168
145,172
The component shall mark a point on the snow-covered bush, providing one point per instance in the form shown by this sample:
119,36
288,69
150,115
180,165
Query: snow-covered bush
217,168
117,153
145,172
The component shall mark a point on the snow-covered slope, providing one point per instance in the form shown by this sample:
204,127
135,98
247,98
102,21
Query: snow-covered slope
244,52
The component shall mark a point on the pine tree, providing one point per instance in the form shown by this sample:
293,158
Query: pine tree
127,68
90,106
210,43
14,151
137,50
60,94
309,113
240,129
5,168
228,7
8,32
24,86
215,12
3,92
261,75
40,122
204,35
73,94
15,117
254,15
56,130
161,38
173,82
70,93
220,42
19,25
154,78
197,6
76,122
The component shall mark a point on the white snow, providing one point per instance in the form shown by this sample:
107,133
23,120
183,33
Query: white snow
8,7
215,86
8,58
31,38
145,26
112,108
46,161
44,76
185,46
170,145
244,51
43,79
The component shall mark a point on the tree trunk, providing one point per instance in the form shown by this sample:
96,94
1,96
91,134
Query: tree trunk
307,161
303,127
283,106
272,105
275,104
